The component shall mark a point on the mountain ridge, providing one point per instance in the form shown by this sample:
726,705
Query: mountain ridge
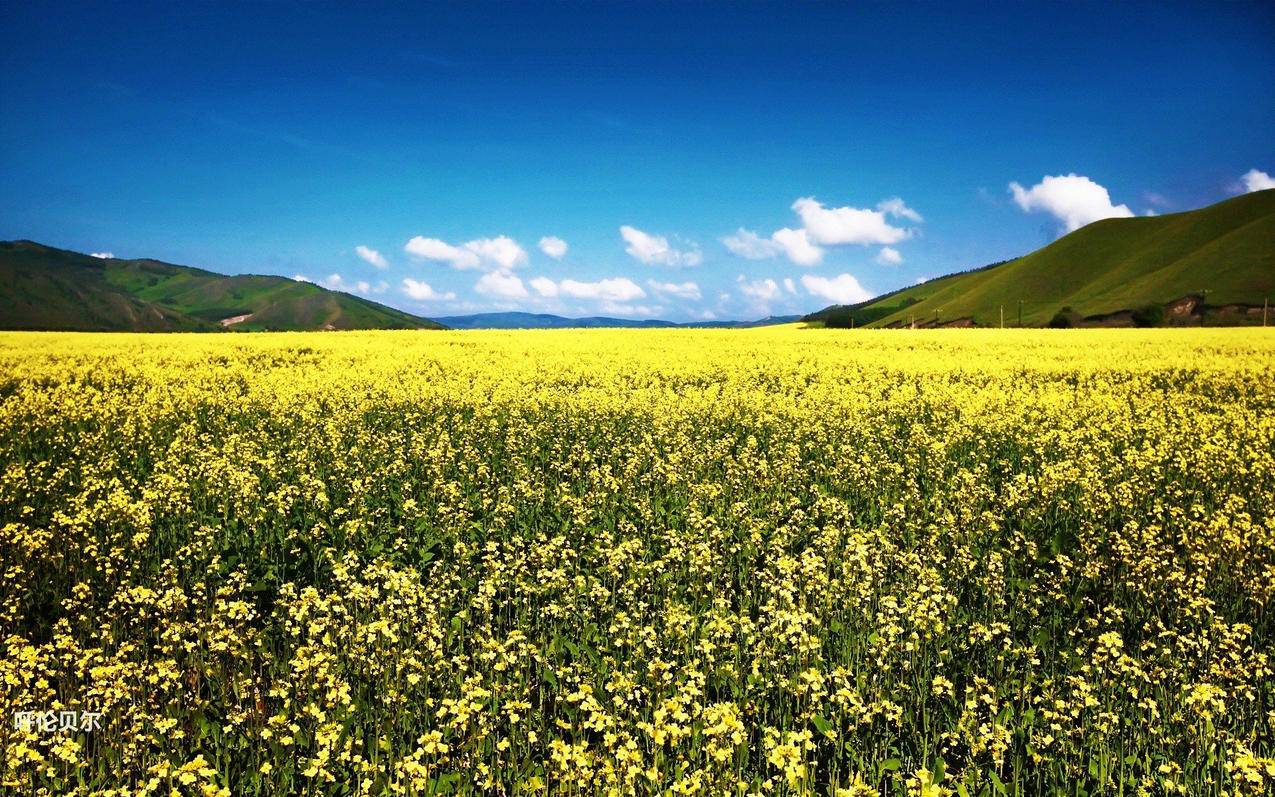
1212,265
47,288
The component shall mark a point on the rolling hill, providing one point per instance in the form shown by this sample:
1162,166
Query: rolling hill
42,287
1215,265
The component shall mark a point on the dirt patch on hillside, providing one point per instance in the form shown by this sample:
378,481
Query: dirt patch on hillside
235,319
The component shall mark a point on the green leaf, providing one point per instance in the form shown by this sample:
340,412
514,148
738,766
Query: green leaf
889,765
822,725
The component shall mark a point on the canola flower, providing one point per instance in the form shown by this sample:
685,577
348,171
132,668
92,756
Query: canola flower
777,561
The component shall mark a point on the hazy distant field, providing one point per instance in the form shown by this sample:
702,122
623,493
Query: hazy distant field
780,561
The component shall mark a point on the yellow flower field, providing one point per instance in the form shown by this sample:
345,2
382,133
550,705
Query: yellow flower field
775,561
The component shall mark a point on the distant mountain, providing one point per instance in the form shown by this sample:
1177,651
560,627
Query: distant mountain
1215,265
46,288
515,320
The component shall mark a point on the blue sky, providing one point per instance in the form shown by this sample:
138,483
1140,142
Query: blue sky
698,160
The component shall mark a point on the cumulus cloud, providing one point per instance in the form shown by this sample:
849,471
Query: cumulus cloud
424,292
766,290
889,256
846,225
553,246
789,285
610,291
823,226
336,282
371,256
501,284
896,208
656,250
793,243
797,246
1253,180
545,287
679,290
301,278
501,253
750,245
102,255
615,289
630,310
842,289
1073,199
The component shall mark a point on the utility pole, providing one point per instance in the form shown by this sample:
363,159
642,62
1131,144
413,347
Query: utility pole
1265,303
1002,316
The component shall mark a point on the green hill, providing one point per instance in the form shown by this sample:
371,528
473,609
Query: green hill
46,288
1215,265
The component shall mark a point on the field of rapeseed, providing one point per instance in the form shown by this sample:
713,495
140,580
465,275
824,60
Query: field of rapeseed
777,561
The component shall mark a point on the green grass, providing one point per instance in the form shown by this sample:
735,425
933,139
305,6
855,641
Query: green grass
48,288
1224,254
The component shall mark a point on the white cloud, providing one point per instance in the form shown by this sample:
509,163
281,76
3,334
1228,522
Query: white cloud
749,244
766,290
655,249
502,251
1073,199
889,256
796,244
920,280
898,209
102,255
434,249
484,254
842,289
301,278
336,282
822,226
424,292
789,285
553,246
371,256
616,289
545,287
502,284
793,243
630,310
1253,180
680,290
846,225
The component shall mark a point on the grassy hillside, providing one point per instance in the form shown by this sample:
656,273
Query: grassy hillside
46,288
1212,265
